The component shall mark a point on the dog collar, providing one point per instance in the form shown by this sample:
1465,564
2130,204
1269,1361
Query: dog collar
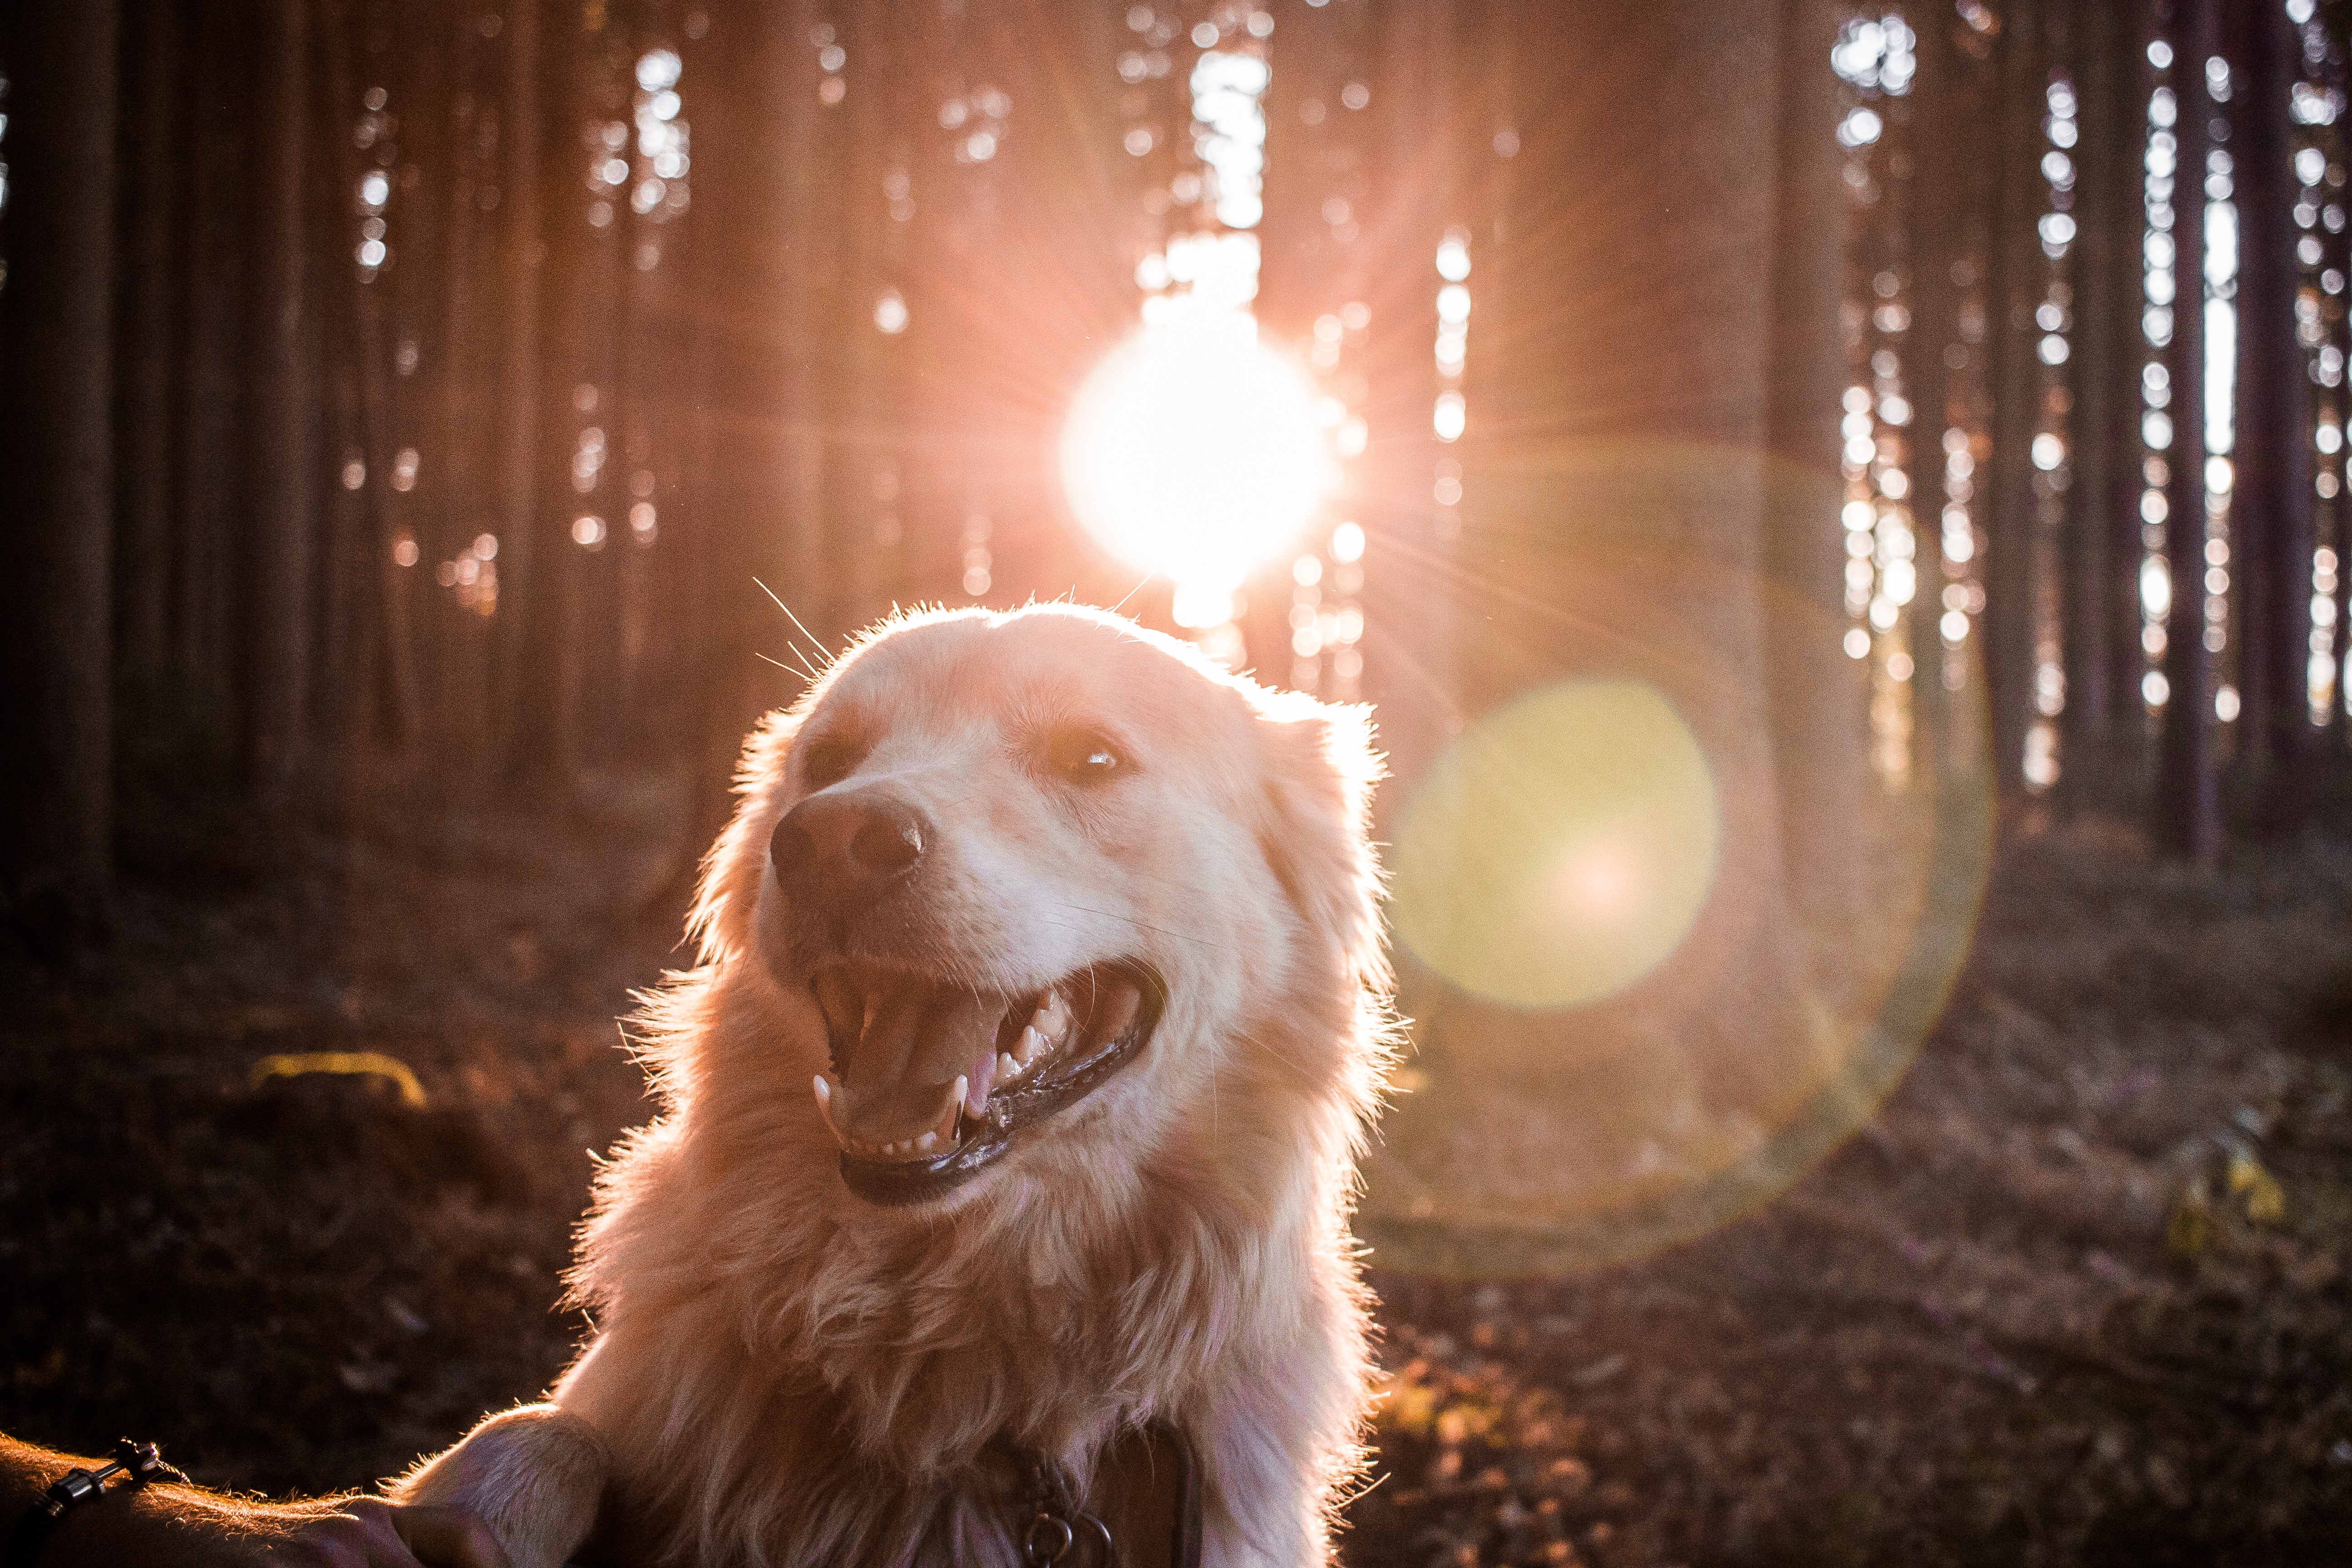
1065,1529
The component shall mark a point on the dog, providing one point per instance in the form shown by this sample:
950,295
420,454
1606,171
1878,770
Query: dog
1000,1196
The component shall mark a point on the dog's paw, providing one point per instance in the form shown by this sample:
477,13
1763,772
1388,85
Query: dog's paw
534,1475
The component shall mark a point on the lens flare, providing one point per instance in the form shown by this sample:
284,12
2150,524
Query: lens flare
1195,451
1655,967
1561,849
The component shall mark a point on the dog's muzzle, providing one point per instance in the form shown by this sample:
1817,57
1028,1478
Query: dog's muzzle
931,1080
907,1137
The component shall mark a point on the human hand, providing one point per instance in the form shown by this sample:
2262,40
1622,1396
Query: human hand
369,1533
175,1527
165,1525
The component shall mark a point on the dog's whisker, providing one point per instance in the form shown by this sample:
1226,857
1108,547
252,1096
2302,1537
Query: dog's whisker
812,637
800,670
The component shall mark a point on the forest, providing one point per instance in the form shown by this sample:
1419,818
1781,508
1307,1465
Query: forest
1875,479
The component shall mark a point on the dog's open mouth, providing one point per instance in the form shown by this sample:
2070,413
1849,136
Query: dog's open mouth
931,1082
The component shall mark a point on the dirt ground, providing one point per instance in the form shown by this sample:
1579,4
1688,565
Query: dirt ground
2079,1294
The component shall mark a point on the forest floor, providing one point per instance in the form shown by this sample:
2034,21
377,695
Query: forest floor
2079,1293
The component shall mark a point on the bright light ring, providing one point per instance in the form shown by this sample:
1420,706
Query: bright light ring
1194,451
1562,847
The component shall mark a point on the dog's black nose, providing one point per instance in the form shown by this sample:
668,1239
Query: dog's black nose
863,837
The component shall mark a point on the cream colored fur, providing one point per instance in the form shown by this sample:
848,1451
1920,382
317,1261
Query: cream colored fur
783,1373
534,1475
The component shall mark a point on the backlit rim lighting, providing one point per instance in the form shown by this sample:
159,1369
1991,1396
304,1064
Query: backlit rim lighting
1196,452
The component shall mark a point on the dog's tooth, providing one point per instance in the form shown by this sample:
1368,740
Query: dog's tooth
1033,1045
972,1096
927,1143
1006,1068
1052,1019
825,1109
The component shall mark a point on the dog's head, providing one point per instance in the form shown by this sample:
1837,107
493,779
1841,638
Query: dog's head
1023,883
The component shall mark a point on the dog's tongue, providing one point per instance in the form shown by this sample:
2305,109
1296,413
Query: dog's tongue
900,1044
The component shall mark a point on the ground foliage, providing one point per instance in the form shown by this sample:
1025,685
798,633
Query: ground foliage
2077,1295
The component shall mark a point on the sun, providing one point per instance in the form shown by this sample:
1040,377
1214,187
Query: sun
1194,451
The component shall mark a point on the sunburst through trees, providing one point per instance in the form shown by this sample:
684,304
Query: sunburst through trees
1741,454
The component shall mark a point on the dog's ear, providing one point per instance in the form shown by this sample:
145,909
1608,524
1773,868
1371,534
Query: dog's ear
729,888
1320,767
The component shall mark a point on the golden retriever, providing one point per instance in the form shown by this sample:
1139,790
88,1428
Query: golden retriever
1011,1119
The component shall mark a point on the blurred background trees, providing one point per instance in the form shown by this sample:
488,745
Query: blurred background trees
404,398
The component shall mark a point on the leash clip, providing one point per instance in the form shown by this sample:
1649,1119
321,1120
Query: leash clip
1052,1535
1049,1540
1059,1521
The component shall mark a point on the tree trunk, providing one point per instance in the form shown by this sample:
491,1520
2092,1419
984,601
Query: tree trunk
280,529
537,584
863,436
382,612
458,437
1943,185
2106,265
2014,258
421,369
349,562
2274,486
339,709
758,182
152,212
1818,696
604,327
527,490
2187,793
1425,687
214,411
57,465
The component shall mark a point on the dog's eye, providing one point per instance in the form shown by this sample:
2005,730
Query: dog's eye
828,759
1082,756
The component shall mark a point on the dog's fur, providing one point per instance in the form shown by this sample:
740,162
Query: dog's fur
784,1374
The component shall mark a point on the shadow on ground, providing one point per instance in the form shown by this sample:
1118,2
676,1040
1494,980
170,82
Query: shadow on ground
2077,1295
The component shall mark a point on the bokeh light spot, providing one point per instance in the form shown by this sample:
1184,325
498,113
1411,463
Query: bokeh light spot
1562,847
